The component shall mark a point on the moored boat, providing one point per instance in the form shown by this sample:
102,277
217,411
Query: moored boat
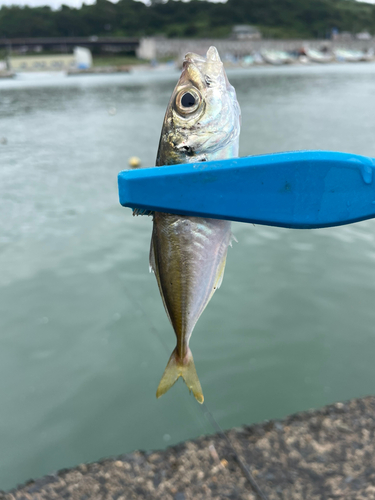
345,55
318,56
277,57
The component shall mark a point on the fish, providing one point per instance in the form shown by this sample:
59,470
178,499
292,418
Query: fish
188,254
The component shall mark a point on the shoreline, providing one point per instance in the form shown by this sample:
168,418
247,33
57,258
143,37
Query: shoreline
322,454
167,67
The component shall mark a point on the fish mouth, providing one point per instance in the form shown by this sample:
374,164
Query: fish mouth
210,68
212,55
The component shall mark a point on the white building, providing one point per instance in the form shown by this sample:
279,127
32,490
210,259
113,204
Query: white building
81,59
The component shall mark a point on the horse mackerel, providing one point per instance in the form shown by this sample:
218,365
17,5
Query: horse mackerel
188,254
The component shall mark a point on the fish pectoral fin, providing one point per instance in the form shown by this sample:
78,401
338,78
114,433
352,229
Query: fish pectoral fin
177,368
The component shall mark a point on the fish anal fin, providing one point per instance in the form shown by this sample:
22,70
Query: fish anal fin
152,257
184,368
154,269
220,273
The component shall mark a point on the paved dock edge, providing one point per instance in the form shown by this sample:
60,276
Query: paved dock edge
321,454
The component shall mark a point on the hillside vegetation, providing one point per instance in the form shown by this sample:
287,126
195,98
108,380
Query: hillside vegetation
197,18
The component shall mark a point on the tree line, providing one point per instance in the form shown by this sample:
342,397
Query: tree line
197,18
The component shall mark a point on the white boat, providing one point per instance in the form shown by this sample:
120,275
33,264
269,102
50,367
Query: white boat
318,56
344,55
277,57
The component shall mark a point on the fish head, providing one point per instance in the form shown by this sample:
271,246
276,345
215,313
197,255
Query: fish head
202,121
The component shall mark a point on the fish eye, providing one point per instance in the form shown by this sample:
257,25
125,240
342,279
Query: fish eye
188,101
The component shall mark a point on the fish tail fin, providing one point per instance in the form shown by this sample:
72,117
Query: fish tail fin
184,368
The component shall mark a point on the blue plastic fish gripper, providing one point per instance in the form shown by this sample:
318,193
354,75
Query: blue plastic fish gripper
298,189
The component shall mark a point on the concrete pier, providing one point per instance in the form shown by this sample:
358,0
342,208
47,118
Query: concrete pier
151,48
321,454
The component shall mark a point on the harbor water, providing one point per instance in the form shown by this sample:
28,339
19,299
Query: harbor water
84,338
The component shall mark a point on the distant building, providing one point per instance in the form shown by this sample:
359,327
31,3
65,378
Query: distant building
146,49
245,32
81,59
42,63
364,35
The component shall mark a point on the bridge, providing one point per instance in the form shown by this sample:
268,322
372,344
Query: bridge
63,44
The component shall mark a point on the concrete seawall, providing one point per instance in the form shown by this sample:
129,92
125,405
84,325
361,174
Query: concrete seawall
321,454
151,48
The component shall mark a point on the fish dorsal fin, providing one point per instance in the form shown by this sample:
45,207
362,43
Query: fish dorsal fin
142,211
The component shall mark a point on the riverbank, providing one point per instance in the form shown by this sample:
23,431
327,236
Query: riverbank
317,455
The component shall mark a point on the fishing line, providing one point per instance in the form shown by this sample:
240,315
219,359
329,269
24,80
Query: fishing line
206,412
241,463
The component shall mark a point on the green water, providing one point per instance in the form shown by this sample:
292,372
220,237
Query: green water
84,337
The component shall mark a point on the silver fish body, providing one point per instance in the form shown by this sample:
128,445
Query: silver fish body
188,254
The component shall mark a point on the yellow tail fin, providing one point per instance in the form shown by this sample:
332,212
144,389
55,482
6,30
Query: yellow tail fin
177,368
